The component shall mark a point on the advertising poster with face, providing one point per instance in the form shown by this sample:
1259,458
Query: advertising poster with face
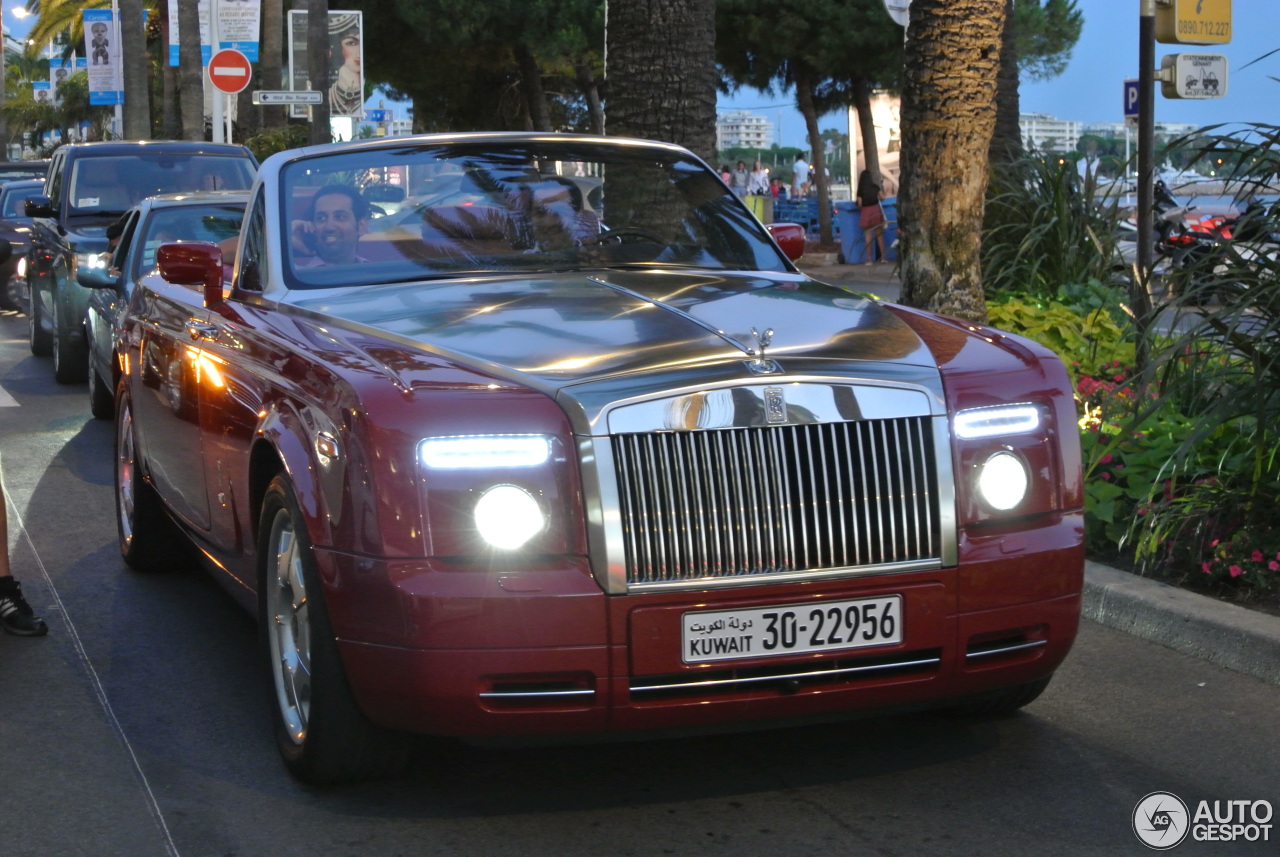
59,70
102,47
344,89
40,92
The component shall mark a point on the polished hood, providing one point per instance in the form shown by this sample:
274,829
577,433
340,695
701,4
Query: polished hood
568,328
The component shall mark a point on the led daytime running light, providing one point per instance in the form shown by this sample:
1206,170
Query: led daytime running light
485,450
997,422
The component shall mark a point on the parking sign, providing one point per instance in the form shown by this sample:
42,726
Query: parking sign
1131,99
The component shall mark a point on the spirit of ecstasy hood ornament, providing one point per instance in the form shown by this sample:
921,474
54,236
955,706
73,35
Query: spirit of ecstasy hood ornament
762,365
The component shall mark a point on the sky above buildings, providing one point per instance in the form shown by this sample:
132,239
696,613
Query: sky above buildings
1091,89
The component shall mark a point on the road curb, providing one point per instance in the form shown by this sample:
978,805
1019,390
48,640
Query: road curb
1233,637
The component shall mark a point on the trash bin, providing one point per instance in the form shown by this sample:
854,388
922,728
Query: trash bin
890,209
850,232
852,240
761,206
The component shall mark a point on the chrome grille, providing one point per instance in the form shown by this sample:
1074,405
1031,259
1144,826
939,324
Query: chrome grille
745,503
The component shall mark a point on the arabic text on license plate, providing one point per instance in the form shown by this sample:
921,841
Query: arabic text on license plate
791,629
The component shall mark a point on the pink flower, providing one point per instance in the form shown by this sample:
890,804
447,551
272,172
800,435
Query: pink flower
1206,567
1106,476
1214,544
1235,570
1106,459
1273,565
1257,556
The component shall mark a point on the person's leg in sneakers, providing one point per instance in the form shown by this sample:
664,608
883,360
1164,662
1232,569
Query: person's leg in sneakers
16,615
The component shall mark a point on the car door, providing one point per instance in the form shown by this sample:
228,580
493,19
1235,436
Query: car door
169,368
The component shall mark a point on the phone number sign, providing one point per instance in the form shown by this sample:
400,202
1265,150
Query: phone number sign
1193,22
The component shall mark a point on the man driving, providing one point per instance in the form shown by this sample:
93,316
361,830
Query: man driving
331,234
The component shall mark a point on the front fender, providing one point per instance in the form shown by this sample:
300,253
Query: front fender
291,438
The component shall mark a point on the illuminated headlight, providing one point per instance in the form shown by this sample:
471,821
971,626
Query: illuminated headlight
484,451
92,260
1003,481
507,517
996,422
22,267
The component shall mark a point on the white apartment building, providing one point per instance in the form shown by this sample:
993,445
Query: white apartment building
743,129
1045,133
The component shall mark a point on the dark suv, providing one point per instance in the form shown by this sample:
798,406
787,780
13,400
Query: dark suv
90,186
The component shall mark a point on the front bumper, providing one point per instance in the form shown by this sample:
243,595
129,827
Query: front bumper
440,649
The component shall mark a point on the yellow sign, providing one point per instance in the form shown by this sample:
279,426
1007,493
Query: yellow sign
1193,22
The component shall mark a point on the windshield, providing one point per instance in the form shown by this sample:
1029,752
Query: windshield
214,222
387,215
115,184
14,199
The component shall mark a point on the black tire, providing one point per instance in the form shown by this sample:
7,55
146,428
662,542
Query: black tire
1002,702
102,400
40,340
149,540
323,736
70,355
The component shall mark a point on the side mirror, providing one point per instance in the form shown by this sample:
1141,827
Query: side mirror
6,250
97,278
38,206
790,238
193,263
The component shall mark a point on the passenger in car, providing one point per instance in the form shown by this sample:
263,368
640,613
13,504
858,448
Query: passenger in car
330,234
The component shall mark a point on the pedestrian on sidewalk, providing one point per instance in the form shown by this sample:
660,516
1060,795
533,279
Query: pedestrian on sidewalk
870,215
16,615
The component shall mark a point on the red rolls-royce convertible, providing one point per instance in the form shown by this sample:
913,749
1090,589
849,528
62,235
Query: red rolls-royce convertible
516,435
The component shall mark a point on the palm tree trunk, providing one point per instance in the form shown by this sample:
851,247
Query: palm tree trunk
535,98
170,118
818,157
661,72
190,72
591,92
867,131
137,89
318,68
948,115
270,53
1006,141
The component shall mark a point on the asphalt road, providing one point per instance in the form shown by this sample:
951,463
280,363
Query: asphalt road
138,727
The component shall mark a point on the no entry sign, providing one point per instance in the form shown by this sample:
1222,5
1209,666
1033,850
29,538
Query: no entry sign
229,70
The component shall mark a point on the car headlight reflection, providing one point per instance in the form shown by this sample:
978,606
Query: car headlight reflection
92,260
1003,481
508,516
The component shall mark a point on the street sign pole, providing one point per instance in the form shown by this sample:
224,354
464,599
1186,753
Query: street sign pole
218,108
1140,292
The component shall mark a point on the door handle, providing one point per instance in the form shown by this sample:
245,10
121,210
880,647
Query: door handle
202,330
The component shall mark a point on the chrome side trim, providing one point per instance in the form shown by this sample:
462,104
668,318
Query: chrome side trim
946,488
1004,650
535,694
723,682
606,544
786,577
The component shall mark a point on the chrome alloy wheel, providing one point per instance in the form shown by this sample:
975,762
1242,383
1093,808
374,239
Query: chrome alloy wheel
289,627
126,474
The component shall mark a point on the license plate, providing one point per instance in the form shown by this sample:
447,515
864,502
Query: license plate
791,629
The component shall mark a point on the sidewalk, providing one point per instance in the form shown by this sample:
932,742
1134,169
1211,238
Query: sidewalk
1234,637
880,279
